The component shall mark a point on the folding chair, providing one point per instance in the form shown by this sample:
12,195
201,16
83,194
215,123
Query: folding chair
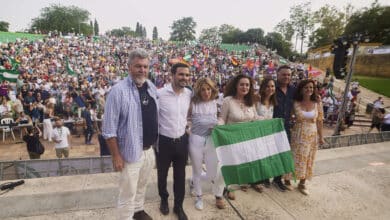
6,126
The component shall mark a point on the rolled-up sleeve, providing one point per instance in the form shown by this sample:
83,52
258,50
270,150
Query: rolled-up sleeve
111,114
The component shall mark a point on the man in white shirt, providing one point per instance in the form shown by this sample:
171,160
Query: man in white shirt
174,101
60,137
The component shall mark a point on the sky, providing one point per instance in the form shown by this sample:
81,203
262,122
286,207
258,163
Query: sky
112,14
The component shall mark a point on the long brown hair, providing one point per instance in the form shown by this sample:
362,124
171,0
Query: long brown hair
231,89
263,87
198,89
299,95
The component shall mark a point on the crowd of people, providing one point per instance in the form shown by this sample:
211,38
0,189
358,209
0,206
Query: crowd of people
160,103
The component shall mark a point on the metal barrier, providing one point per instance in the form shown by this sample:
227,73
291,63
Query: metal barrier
25,169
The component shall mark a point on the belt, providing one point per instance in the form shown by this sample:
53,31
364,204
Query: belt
173,140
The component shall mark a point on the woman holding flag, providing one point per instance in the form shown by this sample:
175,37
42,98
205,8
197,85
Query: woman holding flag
265,109
238,106
203,118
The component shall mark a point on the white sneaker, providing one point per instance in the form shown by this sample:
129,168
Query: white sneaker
199,203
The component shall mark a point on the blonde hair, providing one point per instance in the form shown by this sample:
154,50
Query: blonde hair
198,88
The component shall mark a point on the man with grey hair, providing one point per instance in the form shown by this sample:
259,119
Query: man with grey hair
130,128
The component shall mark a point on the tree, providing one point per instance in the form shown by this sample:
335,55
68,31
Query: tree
275,41
233,36
183,29
155,33
137,29
301,20
62,18
4,26
286,28
96,27
210,36
124,31
229,33
144,32
254,35
331,25
373,21
226,28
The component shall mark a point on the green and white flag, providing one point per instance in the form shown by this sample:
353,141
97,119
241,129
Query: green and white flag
253,151
9,75
69,69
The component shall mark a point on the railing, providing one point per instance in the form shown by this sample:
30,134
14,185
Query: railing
25,169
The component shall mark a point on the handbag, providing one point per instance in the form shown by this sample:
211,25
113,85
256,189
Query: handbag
40,148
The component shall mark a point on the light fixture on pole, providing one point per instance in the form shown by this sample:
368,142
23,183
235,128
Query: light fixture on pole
355,43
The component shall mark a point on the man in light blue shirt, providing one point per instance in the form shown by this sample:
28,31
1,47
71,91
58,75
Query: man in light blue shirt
130,127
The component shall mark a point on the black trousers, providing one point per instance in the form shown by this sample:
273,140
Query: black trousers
175,152
88,132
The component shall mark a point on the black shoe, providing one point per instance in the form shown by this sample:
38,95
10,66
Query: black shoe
181,215
279,186
141,215
266,183
164,208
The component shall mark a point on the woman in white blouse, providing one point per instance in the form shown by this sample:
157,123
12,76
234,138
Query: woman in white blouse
239,105
265,110
203,117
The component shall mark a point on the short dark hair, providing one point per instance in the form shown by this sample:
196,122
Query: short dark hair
283,67
178,65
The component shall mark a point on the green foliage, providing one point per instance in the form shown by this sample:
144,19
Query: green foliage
121,32
233,36
275,41
65,19
210,36
155,33
4,26
374,21
286,28
332,23
140,31
254,35
301,20
96,27
183,29
376,84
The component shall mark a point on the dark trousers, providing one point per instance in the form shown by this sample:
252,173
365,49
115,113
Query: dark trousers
88,134
175,152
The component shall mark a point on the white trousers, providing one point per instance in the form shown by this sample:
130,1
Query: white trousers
133,181
47,129
202,149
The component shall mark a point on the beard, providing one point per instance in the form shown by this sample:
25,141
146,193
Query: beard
139,81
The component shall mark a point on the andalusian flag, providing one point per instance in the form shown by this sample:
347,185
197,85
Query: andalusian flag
253,151
68,68
9,75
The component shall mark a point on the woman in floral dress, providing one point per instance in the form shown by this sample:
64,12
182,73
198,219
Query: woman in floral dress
306,134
